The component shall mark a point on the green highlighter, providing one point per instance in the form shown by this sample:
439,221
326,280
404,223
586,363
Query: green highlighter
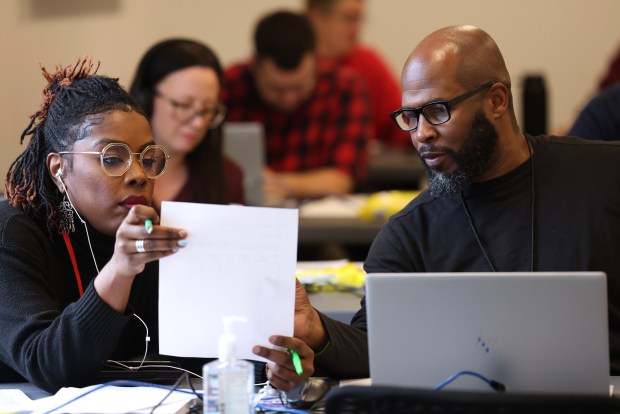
296,362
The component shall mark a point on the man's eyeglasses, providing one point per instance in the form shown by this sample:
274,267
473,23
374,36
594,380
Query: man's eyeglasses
116,158
436,113
185,112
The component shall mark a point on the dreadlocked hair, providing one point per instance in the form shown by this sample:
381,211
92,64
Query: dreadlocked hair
74,98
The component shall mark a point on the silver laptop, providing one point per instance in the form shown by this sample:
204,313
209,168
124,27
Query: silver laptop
533,332
244,142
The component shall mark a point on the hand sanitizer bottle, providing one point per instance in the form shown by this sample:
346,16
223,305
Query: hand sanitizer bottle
228,382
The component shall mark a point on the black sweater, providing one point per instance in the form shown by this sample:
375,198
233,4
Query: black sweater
576,227
49,335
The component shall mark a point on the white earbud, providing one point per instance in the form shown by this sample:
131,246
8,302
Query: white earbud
59,175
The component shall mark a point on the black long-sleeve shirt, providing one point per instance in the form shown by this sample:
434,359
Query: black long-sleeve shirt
49,335
575,225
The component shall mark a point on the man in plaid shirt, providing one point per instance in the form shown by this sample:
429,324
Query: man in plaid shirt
317,122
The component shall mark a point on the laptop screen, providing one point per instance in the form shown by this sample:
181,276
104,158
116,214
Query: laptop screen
533,332
244,143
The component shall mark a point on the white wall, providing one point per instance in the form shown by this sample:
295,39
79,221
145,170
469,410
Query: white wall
569,41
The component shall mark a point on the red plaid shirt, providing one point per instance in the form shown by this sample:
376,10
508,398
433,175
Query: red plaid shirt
331,129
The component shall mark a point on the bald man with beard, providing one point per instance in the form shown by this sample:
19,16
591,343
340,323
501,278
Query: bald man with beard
498,199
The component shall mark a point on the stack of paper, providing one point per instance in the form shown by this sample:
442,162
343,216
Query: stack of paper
99,399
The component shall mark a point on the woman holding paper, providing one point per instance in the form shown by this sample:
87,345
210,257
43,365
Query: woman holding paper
79,243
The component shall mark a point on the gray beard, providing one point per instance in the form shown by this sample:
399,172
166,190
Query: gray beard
474,158
444,184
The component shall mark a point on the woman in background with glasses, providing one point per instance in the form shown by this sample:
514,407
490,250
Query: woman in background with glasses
177,83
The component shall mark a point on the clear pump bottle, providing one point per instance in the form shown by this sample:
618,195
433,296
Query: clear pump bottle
228,382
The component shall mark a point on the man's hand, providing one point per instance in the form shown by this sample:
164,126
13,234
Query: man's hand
281,371
308,325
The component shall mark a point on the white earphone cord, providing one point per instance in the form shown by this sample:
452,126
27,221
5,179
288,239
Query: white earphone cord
147,338
59,175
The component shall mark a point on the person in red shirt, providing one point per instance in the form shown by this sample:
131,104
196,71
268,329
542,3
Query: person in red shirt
317,123
337,25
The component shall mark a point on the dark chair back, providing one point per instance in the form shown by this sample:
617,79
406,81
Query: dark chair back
394,400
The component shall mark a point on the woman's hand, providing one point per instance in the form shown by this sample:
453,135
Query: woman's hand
281,371
135,247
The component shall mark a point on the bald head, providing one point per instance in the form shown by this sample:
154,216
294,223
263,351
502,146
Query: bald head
457,55
465,54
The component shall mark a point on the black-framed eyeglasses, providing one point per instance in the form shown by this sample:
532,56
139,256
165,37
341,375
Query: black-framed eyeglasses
116,158
184,111
436,112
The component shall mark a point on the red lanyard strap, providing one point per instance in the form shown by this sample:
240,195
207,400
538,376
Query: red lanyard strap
78,279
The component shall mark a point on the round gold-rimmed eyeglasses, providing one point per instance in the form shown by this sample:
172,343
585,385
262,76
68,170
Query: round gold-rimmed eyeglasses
116,158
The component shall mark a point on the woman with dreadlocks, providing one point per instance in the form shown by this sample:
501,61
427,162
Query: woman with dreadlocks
76,260
78,265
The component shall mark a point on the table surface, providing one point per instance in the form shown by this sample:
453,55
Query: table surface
387,170
34,392
340,306
315,230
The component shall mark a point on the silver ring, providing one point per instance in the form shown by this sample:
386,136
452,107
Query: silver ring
140,246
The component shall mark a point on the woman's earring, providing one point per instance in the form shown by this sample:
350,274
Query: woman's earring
65,209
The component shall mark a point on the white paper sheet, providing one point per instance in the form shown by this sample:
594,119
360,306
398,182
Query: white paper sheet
239,261
114,400
14,401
